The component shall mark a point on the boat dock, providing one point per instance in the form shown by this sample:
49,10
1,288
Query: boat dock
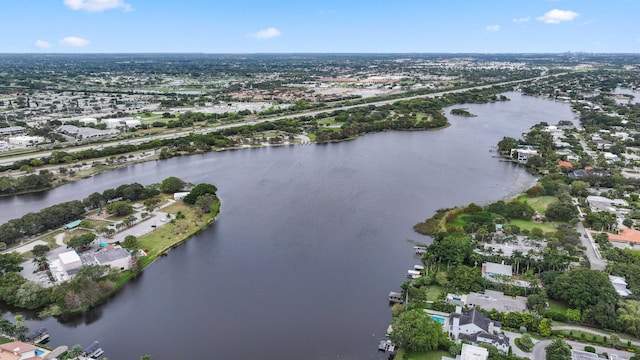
38,336
386,345
93,351
395,298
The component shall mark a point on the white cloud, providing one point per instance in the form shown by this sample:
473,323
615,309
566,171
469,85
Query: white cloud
266,33
556,16
41,44
97,5
521,20
73,41
493,28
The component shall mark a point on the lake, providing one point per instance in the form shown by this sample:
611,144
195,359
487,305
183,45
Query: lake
309,242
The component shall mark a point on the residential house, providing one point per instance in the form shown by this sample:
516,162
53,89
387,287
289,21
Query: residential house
470,352
522,155
490,269
477,328
18,350
620,284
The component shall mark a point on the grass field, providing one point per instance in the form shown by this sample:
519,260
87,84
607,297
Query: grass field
175,232
539,203
433,292
431,355
558,306
528,225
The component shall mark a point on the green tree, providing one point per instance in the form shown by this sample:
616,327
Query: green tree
629,316
74,351
544,328
172,185
536,302
199,190
40,250
130,242
120,208
558,350
561,211
205,202
583,288
453,249
574,315
80,241
415,330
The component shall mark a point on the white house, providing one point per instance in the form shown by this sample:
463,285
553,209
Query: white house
523,154
490,269
470,352
620,284
477,328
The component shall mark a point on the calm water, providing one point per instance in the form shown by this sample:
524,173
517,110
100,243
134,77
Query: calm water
309,243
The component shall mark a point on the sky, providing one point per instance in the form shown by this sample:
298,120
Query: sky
313,26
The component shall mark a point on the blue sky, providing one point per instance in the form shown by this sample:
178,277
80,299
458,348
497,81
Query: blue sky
346,26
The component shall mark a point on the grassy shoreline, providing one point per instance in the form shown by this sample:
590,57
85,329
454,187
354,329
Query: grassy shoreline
156,252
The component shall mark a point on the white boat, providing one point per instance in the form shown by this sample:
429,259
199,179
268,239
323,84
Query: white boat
418,267
413,274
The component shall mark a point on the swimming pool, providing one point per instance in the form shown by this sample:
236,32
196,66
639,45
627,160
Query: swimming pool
438,319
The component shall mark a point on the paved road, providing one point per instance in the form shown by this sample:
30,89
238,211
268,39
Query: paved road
593,331
135,141
597,263
538,352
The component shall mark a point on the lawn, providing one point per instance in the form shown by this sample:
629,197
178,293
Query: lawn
95,224
173,233
538,203
50,238
433,292
558,306
423,117
431,355
528,225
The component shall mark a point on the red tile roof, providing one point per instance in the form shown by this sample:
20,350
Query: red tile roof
628,235
565,164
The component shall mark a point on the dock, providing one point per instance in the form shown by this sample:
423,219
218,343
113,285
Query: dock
93,351
38,336
395,298
386,345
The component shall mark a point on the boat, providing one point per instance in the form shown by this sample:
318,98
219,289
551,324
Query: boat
418,267
420,249
413,274
93,351
38,336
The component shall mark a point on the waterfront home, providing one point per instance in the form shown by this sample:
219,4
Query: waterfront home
470,352
18,350
477,328
490,300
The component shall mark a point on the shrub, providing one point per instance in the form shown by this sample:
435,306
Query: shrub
590,349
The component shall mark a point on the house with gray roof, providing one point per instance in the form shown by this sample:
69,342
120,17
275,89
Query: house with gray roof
117,258
620,284
476,328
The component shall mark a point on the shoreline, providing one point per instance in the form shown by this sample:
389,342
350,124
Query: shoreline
155,157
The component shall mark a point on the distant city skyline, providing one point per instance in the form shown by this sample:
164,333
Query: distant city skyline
330,26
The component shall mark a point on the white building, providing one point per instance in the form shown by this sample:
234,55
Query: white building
88,120
69,260
523,154
24,140
470,352
620,284
477,328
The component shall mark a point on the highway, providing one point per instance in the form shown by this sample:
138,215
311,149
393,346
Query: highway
8,159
